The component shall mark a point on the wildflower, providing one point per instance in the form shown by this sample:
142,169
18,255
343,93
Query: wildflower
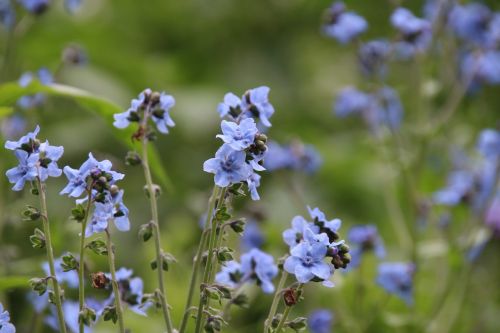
294,156
229,166
415,32
388,110
364,238
352,101
45,78
252,236
253,182
372,57
489,143
320,321
330,227
306,263
72,5
230,107
148,104
397,278
26,142
475,23
13,126
342,25
5,325
7,14
35,6
26,171
492,218
256,103
294,236
238,136
256,266
131,291
481,68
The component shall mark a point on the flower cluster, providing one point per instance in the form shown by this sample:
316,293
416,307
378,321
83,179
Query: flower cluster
97,180
242,153
36,160
397,278
44,76
362,239
255,267
473,179
311,242
35,7
294,156
5,325
148,105
343,25
381,108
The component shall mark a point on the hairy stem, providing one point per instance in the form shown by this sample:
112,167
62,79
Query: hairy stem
81,266
114,282
276,301
197,259
287,311
50,256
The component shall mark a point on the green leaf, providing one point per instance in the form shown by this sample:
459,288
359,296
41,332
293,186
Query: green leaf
5,111
11,92
11,282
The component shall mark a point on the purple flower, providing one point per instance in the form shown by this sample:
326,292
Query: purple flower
320,321
342,25
229,166
306,263
111,209
238,136
474,23
5,325
397,278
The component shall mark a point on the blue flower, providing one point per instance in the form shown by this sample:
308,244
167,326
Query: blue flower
415,32
12,127
294,236
492,218
111,209
229,166
45,77
295,156
364,238
5,325
35,6
328,226
475,23
489,143
49,155
342,25
388,110
7,13
230,274
230,107
25,142
306,263
252,236
320,321
373,57
459,184
26,171
131,291
238,136
351,101
256,103
72,5
397,278
259,266
253,182
69,277
482,67
157,106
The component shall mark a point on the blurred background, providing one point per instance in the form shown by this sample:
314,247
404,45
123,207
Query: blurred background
197,50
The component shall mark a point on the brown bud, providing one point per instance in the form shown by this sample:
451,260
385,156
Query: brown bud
290,297
99,280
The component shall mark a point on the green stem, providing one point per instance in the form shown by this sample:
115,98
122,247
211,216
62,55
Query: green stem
276,301
81,267
210,252
197,259
157,238
50,256
287,311
114,282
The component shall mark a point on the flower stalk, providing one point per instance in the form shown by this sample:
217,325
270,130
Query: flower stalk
81,267
114,282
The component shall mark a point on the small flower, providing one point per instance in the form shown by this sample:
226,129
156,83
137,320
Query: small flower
459,185
352,101
26,142
481,68
72,5
256,103
306,263
329,226
112,209
45,77
415,32
7,14
26,171
373,56
161,115
259,266
131,291
397,278
5,325
230,274
252,236
320,321
238,136
253,182
388,110
229,166
492,218
294,236
35,6
489,143
295,156
12,127
342,25
49,155
230,107
364,238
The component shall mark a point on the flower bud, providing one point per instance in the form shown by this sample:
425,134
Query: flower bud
69,262
145,231
238,226
87,316
166,259
109,313
99,280
98,247
290,297
39,285
132,158
38,239
78,213
31,213
156,190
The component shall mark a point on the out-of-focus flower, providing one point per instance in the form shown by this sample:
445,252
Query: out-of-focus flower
7,13
342,25
13,126
364,238
481,68
294,156
351,101
5,325
252,236
373,57
44,76
35,6
397,278
320,321
415,33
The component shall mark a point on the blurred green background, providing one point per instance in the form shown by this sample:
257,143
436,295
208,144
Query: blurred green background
197,50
